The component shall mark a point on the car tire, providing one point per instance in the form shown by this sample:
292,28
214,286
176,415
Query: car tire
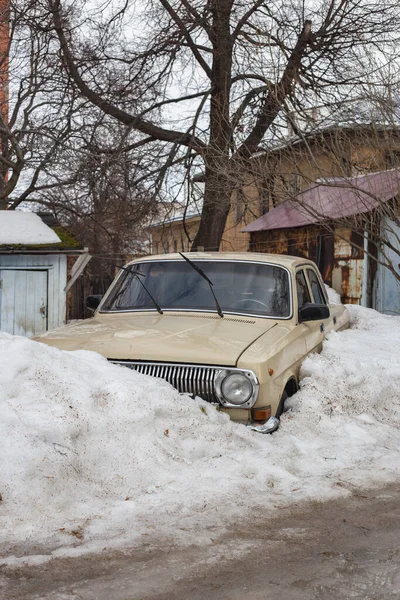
281,405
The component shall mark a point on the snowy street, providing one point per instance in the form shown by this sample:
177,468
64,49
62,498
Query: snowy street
100,459
346,548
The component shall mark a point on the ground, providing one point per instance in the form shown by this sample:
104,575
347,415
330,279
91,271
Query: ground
100,461
345,549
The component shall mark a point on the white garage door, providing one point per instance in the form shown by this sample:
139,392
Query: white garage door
23,302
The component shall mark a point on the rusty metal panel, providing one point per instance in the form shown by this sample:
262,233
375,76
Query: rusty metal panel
348,267
342,246
348,243
275,242
305,242
341,264
347,278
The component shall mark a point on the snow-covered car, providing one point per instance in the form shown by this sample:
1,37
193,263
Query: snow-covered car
232,328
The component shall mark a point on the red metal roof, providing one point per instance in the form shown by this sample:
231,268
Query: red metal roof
331,199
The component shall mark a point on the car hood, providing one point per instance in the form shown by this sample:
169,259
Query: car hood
198,338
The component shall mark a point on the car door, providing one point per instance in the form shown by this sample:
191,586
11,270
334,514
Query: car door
311,330
319,296
314,331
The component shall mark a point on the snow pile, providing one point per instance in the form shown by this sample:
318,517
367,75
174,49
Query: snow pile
350,396
17,227
94,455
333,296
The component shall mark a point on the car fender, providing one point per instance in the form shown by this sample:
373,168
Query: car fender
275,358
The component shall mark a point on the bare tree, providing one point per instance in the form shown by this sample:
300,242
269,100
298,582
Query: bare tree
102,205
230,69
58,151
37,107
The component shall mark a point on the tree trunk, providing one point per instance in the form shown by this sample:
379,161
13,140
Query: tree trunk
217,199
217,191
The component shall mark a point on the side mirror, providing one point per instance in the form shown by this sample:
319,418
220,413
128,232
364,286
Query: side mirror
92,302
313,312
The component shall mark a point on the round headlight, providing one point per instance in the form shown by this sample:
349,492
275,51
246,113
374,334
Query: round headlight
236,388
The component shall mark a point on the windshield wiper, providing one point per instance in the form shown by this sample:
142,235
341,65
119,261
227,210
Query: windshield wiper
136,273
210,283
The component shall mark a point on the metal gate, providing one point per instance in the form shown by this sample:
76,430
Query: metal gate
388,289
23,301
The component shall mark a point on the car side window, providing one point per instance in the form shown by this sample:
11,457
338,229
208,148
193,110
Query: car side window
303,295
318,294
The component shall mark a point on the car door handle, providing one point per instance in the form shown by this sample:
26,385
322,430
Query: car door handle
334,320
322,328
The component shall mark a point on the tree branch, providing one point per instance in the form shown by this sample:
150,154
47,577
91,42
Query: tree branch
122,116
277,95
183,29
246,17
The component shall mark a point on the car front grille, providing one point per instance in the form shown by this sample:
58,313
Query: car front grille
191,379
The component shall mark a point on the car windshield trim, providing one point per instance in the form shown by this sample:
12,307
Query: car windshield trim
227,311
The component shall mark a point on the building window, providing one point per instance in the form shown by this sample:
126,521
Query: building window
293,183
392,159
175,246
267,193
238,205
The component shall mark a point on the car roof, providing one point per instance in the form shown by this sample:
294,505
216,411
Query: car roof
289,262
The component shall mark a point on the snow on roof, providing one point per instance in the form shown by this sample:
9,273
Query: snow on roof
17,227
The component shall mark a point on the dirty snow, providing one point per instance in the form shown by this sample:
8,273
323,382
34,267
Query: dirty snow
95,456
18,227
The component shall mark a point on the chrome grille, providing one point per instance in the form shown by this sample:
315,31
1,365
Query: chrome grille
190,379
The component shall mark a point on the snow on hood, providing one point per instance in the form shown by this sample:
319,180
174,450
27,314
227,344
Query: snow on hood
96,456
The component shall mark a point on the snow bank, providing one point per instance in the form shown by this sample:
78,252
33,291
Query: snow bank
96,456
333,296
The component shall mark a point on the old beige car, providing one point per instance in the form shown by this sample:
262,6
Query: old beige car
232,328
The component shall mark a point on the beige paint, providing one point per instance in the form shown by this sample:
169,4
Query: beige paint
246,342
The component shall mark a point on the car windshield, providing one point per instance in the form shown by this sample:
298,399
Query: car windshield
240,287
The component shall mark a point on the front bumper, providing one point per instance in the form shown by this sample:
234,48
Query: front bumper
269,426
